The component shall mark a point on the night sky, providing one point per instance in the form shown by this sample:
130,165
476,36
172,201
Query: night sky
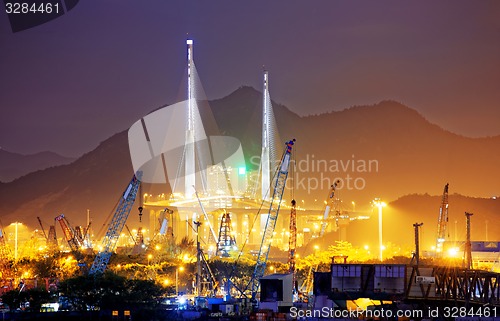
70,83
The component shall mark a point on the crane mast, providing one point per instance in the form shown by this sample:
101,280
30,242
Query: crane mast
328,206
442,221
116,226
265,246
292,242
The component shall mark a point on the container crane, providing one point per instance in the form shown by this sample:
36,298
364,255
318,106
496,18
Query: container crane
275,202
442,221
69,233
116,226
51,239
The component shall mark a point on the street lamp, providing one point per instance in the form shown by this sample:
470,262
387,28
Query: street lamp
181,268
380,205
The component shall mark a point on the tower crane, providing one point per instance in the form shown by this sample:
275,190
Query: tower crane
442,221
116,226
275,202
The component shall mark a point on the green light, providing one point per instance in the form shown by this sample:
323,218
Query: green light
242,170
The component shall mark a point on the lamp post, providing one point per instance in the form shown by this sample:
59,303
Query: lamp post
16,239
181,268
15,246
380,205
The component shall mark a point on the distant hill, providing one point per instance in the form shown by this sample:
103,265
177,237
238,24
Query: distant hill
400,215
384,150
14,165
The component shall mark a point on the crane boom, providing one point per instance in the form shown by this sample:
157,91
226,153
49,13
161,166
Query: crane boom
43,230
206,216
442,221
265,245
116,226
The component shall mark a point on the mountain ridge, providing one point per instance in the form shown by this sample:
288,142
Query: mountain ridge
413,156
14,165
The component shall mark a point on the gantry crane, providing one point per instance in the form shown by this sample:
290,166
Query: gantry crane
442,221
116,226
275,202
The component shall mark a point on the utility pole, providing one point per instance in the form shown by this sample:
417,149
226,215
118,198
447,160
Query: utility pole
468,247
416,255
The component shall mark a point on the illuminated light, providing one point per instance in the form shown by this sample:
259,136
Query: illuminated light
157,247
382,247
166,281
189,42
453,252
366,247
181,268
182,300
150,256
242,170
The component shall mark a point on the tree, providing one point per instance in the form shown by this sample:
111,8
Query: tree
35,297
109,291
